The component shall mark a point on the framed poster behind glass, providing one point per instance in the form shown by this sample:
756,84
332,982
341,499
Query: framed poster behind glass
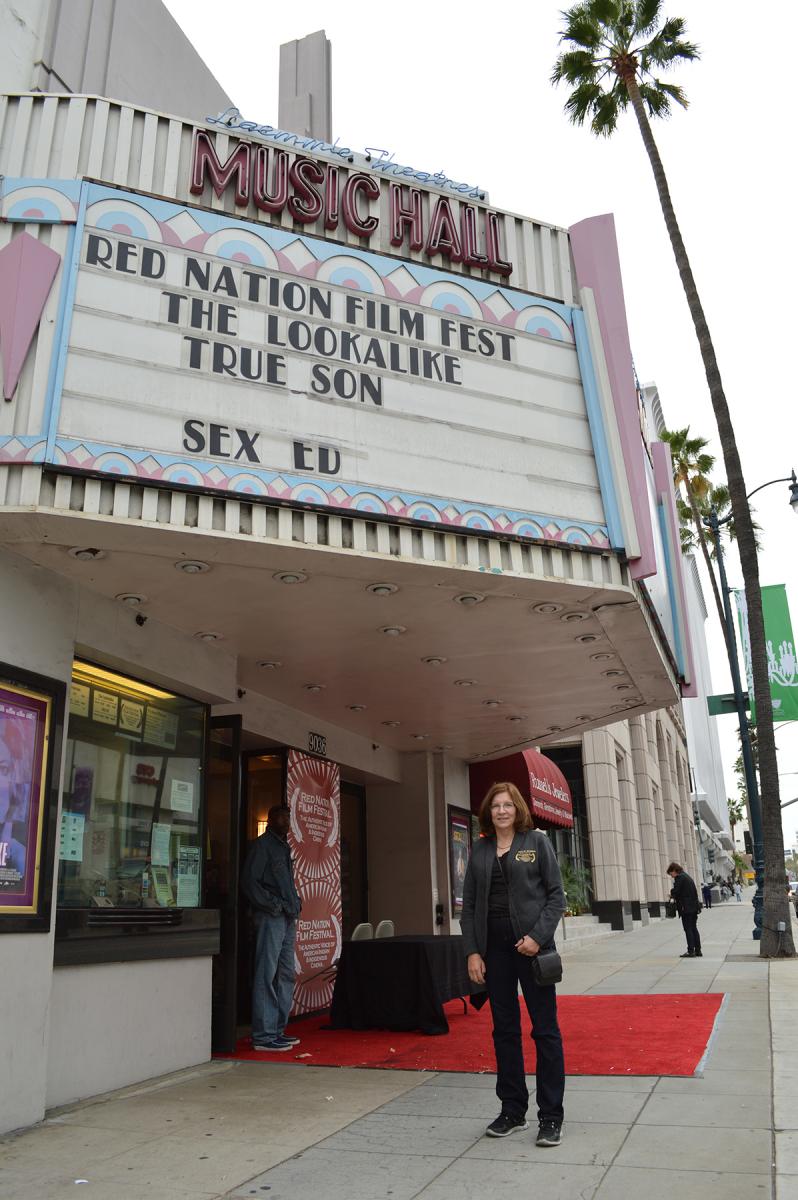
458,828
31,724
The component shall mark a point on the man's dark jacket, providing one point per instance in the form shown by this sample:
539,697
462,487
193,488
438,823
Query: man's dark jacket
685,895
537,900
268,877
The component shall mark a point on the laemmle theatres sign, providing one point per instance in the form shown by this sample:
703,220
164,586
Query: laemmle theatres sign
311,190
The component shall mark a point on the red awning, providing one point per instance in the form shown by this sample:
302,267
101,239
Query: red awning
538,779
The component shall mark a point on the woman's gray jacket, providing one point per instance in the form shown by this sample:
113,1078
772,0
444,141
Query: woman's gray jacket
537,899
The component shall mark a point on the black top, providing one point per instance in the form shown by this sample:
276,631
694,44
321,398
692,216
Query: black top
685,894
498,897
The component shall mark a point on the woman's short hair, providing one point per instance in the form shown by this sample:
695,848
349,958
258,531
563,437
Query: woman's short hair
523,820
674,868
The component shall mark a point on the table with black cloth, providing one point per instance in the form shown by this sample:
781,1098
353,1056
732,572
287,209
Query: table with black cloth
399,983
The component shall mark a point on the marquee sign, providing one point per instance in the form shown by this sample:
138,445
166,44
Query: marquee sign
215,354
309,189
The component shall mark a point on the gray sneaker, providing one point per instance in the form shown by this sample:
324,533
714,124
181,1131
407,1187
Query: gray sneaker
506,1124
549,1133
275,1045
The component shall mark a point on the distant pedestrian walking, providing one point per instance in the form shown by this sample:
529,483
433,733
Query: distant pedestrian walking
706,892
685,896
738,892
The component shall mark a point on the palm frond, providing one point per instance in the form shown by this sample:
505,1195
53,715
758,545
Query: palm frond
582,102
674,91
581,28
606,110
657,103
646,16
575,66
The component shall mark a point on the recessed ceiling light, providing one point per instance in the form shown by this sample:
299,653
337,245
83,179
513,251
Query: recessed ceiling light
613,673
434,661
491,703
132,599
618,708
515,720
208,637
391,724
584,638
86,553
393,630
420,737
602,656
585,718
191,566
269,664
356,707
546,608
290,576
554,729
382,589
574,616
469,598
313,687
622,687
465,683
445,746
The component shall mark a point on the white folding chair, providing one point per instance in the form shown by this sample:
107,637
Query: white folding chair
363,931
384,929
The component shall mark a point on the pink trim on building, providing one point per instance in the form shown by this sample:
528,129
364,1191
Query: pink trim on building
595,252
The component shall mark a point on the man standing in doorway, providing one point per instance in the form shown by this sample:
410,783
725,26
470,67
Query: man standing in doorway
706,892
685,896
268,883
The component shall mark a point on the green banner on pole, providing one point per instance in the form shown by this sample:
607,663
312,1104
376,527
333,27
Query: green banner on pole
780,645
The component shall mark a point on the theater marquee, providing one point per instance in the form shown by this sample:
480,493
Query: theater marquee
225,355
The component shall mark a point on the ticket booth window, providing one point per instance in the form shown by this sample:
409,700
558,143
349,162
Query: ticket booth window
131,822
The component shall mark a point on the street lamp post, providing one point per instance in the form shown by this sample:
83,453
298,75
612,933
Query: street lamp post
714,523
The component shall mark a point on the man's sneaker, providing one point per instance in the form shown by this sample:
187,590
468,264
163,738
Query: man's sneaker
289,1037
549,1133
687,954
506,1124
275,1045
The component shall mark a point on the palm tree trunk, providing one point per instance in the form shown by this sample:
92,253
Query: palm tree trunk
776,905
702,541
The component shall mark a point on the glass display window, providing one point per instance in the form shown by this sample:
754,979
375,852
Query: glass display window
132,813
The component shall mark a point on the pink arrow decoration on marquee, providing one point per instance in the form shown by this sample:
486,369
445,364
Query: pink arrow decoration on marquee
27,271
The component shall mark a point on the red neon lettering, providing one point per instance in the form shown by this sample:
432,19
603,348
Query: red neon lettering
409,217
306,203
468,231
443,237
205,162
270,200
355,184
493,246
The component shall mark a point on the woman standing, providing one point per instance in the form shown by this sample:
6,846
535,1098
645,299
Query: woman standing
512,902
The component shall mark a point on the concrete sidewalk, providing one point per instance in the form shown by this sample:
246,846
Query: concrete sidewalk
315,1133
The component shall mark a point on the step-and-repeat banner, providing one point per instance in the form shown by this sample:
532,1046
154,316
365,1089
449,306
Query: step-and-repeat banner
313,797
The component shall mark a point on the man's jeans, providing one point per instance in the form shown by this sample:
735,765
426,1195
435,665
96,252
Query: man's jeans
273,977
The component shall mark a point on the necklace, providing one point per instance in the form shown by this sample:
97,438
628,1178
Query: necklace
502,849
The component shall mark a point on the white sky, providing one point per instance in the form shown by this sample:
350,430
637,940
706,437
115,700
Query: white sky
464,87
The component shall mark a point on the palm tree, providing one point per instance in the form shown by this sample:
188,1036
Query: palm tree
691,467
615,49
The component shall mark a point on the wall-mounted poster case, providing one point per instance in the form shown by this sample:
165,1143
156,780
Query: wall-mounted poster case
31,734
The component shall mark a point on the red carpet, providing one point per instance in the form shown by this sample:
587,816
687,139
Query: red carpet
603,1035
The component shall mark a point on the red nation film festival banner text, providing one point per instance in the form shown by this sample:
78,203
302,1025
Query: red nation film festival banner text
314,801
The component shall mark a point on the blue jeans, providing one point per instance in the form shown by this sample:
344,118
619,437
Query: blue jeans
506,968
273,977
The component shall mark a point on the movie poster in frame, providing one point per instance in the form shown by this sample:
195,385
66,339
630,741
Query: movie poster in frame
31,724
458,828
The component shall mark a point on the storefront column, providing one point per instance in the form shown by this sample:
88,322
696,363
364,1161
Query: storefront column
401,842
672,847
631,835
652,875
611,901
